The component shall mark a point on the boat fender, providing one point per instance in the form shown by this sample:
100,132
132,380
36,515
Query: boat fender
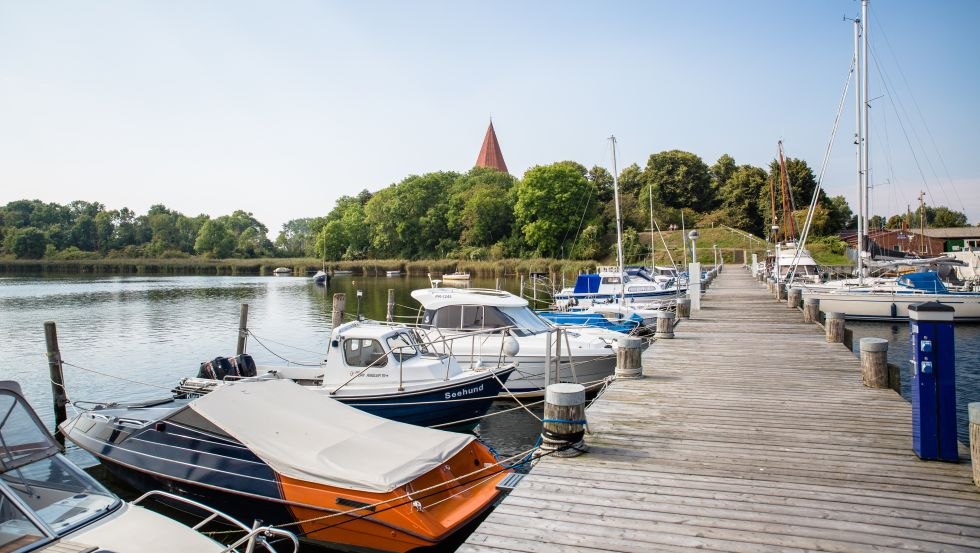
894,311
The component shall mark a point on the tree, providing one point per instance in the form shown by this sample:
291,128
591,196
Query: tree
552,200
29,243
839,214
721,171
679,179
740,194
215,240
943,217
409,219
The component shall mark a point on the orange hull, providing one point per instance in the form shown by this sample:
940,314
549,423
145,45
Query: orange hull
422,513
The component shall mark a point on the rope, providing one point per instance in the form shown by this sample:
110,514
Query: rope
131,381
520,406
279,356
284,344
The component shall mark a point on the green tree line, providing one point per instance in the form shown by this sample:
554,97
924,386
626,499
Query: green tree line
561,210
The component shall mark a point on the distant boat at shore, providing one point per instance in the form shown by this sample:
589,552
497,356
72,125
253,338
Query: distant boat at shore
282,271
458,275
393,273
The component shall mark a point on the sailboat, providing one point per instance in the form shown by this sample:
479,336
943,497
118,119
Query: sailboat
875,298
791,261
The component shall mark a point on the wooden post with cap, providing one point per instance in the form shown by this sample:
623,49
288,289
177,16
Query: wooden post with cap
242,329
56,371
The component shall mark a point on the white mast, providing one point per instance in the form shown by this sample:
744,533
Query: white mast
619,226
858,143
653,257
867,122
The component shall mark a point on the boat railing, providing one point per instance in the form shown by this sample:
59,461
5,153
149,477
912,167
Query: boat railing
254,536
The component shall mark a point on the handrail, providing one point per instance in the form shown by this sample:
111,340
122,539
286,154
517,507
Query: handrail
251,534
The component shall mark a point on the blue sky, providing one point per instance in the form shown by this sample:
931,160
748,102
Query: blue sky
278,108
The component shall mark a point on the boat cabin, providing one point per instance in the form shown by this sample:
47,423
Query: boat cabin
473,310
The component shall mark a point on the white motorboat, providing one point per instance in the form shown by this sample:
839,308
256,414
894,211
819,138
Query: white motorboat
482,315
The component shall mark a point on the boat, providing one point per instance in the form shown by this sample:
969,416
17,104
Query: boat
458,275
629,286
342,272
393,273
285,454
321,278
890,301
49,504
622,323
386,370
475,318
282,271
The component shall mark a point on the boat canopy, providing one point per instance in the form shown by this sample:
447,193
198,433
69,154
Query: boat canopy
587,284
927,281
302,434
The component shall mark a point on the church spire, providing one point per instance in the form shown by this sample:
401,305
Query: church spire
490,155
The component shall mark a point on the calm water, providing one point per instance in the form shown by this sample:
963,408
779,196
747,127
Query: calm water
127,338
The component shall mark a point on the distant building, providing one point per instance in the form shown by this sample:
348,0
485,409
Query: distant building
490,155
933,241
956,238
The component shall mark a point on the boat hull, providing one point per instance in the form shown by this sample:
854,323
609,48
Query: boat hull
873,306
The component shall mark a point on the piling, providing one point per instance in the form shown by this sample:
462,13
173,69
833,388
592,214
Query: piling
242,329
496,285
834,326
684,308
793,297
628,355
390,312
780,291
974,409
874,362
56,372
337,312
811,310
563,425
665,325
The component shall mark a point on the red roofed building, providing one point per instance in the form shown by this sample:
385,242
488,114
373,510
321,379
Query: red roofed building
490,155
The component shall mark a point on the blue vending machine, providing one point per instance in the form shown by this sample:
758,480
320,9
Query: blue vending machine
933,382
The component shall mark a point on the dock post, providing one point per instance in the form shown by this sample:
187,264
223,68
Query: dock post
811,310
390,312
628,364
874,362
835,327
793,297
337,311
242,329
974,410
521,294
56,371
563,425
496,285
665,325
694,286
684,308
781,291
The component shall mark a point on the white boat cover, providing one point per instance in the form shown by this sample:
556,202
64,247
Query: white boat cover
305,435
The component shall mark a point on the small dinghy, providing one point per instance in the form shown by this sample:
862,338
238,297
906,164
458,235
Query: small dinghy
277,451
321,278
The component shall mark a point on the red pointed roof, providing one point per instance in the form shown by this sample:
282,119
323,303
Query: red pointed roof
490,155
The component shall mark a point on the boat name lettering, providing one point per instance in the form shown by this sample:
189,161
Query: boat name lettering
466,392
369,375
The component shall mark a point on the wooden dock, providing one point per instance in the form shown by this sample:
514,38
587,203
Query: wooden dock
749,432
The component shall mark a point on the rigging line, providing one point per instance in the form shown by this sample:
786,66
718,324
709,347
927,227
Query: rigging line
823,169
131,381
284,344
915,103
487,415
259,342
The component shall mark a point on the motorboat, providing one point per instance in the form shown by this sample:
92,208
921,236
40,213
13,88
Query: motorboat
282,271
890,300
621,322
458,275
49,504
632,285
393,273
793,262
277,451
470,321
388,370
321,278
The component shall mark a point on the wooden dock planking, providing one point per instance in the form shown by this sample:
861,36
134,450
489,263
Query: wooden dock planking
749,432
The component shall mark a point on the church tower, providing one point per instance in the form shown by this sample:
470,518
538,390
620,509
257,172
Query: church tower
490,155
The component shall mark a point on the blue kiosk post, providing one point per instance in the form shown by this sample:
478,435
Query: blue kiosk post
933,382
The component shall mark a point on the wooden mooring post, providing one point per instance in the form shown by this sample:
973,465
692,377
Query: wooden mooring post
56,372
337,311
834,327
811,310
874,362
563,425
628,358
390,312
684,308
242,329
974,410
793,297
780,291
665,325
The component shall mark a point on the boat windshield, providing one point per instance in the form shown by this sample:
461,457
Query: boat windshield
525,320
38,481
522,320
402,346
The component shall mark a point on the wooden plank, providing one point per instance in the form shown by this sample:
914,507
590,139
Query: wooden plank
749,432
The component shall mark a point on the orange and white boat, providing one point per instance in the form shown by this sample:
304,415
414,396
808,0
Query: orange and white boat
297,459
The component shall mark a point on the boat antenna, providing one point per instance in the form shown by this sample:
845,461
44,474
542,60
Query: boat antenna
619,226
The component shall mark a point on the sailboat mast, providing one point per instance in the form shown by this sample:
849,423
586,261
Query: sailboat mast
858,138
789,233
865,112
619,223
653,257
